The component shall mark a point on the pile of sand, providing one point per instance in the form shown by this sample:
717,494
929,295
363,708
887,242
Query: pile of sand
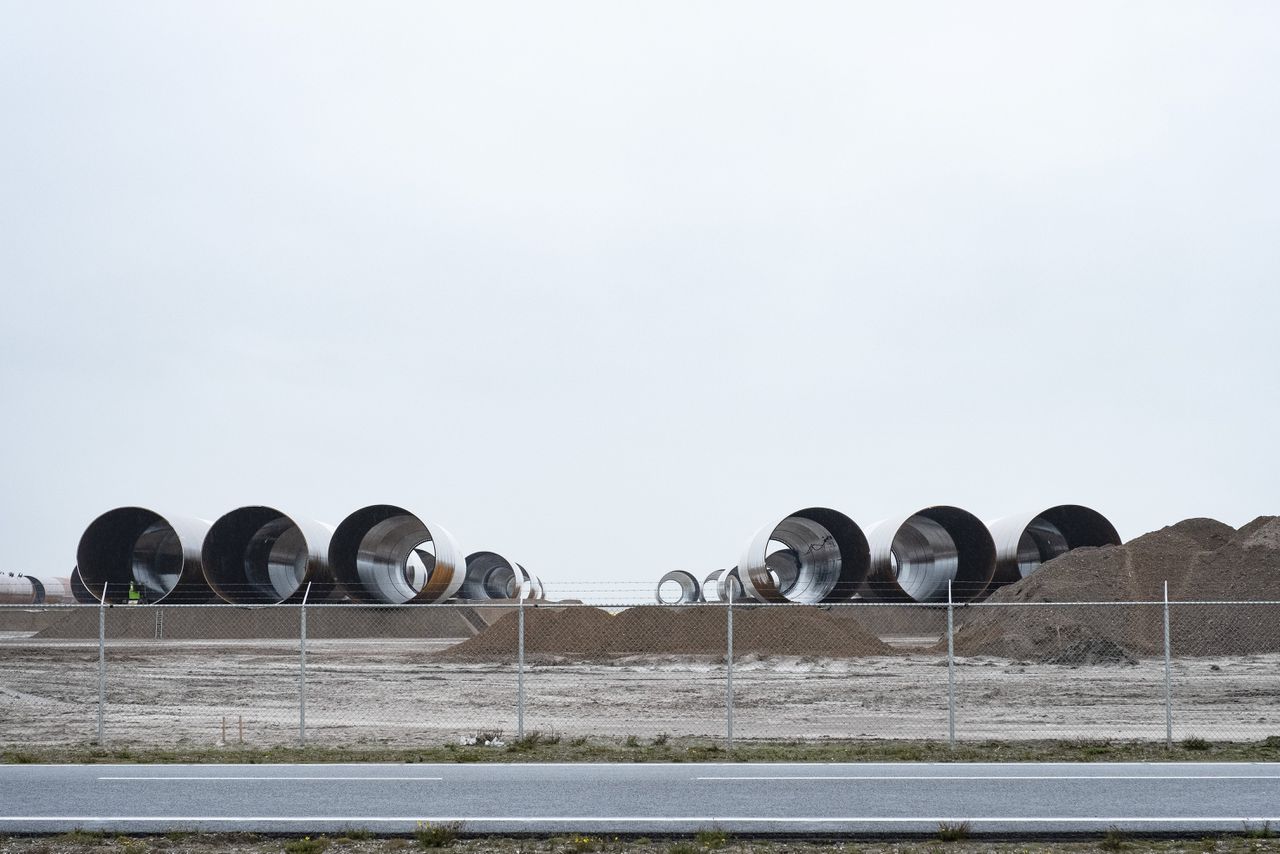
593,633
1245,569
1200,558
144,622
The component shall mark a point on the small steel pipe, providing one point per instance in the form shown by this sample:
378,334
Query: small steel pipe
385,554
16,589
913,557
689,589
536,588
51,590
159,554
729,587
813,555
260,556
1027,540
711,586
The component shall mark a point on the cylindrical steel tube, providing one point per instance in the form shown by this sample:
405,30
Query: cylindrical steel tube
50,590
813,555
260,556
384,553
536,588
687,591
160,554
712,587
491,576
1026,540
914,556
729,586
16,589
79,591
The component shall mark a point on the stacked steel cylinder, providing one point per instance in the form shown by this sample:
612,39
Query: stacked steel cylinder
380,554
383,554
936,554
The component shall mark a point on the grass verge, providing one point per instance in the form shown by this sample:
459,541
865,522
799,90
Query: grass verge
552,749
201,843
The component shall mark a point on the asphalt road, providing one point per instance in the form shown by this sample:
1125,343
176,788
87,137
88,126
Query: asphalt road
652,799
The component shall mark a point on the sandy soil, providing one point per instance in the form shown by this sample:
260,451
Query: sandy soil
394,693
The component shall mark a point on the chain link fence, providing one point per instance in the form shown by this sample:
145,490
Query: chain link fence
403,676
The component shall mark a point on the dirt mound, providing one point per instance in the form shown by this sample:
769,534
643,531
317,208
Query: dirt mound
1089,651
1200,558
1046,635
1245,569
144,622
1135,571
591,633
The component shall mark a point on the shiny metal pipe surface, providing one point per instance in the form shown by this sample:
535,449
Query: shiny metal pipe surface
821,556
79,592
536,588
159,553
730,587
260,556
489,575
385,554
1026,540
914,556
711,586
51,590
689,588
16,589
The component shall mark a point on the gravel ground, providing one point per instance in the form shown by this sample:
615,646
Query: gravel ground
175,693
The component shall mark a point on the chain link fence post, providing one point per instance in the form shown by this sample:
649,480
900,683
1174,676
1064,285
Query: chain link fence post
951,670
728,682
1168,676
520,673
302,668
102,661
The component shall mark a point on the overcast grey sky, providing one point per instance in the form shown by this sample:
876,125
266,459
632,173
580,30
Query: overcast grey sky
607,286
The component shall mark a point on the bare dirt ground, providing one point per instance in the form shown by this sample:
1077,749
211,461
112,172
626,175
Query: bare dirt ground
174,693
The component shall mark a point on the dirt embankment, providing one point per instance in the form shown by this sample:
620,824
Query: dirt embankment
1201,559
588,633
145,622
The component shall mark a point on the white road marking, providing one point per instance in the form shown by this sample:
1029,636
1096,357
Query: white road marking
906,777
261,778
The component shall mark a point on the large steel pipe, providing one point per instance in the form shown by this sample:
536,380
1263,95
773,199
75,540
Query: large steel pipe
51,590
813,555
79,591
160,554
1026,540
385,554
913,557
260,556
678,587
491,576
16,589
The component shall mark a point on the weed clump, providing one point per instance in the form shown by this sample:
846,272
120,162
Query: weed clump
953,831
1114,839
532,740
440,835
